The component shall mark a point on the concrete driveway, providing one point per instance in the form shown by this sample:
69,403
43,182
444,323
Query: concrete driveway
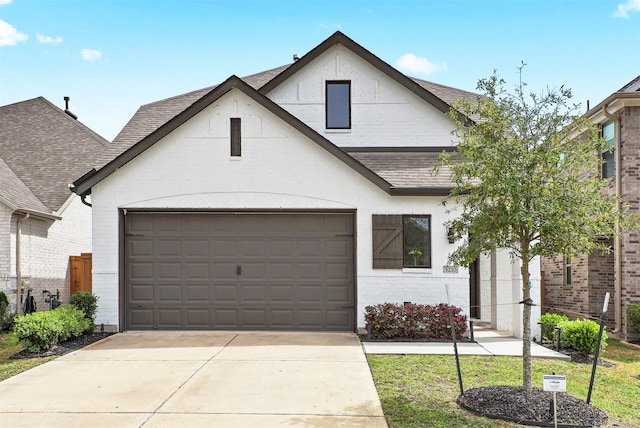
192,379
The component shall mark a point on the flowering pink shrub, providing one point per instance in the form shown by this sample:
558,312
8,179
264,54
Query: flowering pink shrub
411,321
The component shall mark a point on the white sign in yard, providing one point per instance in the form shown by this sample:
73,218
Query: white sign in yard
554,383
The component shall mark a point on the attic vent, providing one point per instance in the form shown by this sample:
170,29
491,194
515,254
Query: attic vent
66,108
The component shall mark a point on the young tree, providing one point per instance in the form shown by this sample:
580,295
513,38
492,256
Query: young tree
527,180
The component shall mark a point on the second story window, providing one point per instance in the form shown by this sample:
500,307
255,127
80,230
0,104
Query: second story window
338,104
608,157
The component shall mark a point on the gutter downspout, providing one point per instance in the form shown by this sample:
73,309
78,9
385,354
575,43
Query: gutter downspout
617,241
18,261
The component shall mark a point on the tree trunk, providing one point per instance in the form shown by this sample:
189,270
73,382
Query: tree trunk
526,326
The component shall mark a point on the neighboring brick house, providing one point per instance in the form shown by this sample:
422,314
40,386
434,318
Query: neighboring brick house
576,287
287,200
42,223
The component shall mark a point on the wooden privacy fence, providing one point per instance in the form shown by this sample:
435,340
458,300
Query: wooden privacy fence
80,267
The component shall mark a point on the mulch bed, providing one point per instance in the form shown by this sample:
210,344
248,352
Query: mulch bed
515,404
63,348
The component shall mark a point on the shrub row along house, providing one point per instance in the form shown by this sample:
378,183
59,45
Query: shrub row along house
42,224
576,287
287,200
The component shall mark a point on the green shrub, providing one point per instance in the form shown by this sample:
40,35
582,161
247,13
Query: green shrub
562,325
582,335
40,331
392,321
549,322
88,304
73,320
6,319
633,316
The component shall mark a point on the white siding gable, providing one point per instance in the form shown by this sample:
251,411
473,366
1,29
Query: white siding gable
383,112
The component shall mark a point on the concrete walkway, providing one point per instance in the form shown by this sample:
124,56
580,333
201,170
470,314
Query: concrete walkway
488,342
193,379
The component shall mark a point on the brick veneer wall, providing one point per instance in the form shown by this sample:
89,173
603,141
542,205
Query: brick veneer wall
630,153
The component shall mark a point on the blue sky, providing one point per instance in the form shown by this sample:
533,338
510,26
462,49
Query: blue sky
112,56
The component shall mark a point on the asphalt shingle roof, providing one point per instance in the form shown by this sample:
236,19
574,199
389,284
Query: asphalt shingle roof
406,168
44,149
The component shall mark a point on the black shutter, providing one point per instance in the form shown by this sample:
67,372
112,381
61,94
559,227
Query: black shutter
387,241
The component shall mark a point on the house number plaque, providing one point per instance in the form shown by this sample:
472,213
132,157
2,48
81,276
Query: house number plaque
449,269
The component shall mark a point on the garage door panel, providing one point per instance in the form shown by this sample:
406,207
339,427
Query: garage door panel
281,271
170,248
142,271
225,318
141,248
197,318
196,271
248,271
197,293
282,293
310,293
196,248
337,294
224,271
224,248
337,271
141,318
141,293
226,293
308,271
169,293
169,318
252,293
169,271
253,318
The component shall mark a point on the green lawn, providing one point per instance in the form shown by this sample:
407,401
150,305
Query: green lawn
9,346
421,390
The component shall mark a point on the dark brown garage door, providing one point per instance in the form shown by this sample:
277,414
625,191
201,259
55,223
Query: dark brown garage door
251,271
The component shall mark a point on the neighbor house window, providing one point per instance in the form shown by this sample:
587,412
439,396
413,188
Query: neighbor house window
608,157
401,241
567,271
236,140
338,99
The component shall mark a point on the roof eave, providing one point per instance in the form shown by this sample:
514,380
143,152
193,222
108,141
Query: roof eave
614,103
420,191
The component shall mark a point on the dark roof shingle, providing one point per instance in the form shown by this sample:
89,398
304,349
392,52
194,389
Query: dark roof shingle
45,149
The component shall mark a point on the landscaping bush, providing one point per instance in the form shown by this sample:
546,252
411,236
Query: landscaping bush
40,331
411,321
88,304
633,316
582,335
549,322
7,319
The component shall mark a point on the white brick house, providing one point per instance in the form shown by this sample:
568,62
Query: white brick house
287,200
42,150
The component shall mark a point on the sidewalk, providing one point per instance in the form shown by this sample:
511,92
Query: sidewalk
488,342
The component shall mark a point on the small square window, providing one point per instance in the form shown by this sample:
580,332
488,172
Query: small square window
338,104
416,231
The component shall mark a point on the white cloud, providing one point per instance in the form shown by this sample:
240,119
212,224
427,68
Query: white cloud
90,55
624,8
3,2
48,39
9,36
418,65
